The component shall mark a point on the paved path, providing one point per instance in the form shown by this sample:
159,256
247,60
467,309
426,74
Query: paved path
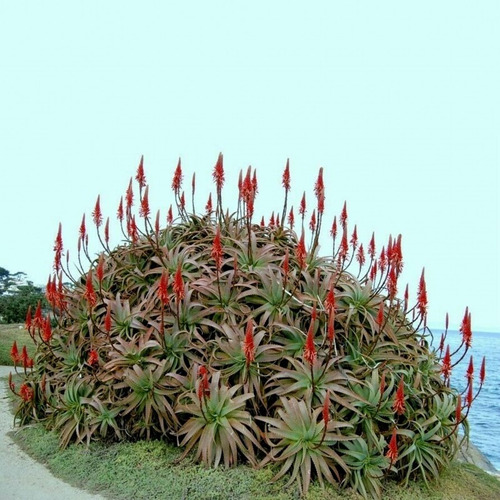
21,477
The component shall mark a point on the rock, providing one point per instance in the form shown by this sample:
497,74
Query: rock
470,453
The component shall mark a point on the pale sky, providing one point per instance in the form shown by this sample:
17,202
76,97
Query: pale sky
398,101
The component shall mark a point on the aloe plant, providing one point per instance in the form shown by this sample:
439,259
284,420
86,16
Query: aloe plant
230,338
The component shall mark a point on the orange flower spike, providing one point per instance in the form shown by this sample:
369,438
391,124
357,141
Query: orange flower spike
360,255
47,331
97,214
469,375
458,409
302,206
100,268
422,295
446,365
14,353
83,230
218,173
354,238
470,394
93,358
28,321
179,288
371,247
177,180
291,218
334,230
392,452
89,294
58,249
300,252
208,206
482,371
106,231
129,196
140,177
309,348
119,212
399,401
380,315
466,329
286,176
144,211
217,249
312,222
249,344
170,216
286,263
344,216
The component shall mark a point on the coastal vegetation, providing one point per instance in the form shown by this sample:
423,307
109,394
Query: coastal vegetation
237,342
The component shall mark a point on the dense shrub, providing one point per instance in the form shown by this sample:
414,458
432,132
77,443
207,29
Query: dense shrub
238,342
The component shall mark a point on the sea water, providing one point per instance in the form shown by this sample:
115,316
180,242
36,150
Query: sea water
484,416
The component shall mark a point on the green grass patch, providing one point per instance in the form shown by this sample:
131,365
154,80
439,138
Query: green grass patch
9,334
145,470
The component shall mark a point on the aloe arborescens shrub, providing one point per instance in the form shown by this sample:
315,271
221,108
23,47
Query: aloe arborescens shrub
238,341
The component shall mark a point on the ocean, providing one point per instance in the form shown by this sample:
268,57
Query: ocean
484,416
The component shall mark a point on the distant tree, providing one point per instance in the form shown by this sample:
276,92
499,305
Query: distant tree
15,297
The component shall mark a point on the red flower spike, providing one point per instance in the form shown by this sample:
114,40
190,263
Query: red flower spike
203,388
37,318
144,211
446,364
218,174
178,285
302,206
255,185
406,297
286,176
83,229
177,180
380,315
193,184
319,186
314,314
24,357
331,326
469,375
482,371
382,261
262,222
392,452
458,409
333,230
399,401
310,348
326,408
441,343
301,253
272,222
208,206
291,218
93,358
343,216
354,238
129,196
107,320
422,295
58,249
119,212
170,215
157,222
330,300
371,247
392,283
106,231
14,353
97,214
100,268
360,256
344,246
140,177
27,322
466,329
133,233
89,294
312,222
248,344
373,271
47,331
217,250
182,201
26,392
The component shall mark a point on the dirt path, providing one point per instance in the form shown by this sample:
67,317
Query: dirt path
21,477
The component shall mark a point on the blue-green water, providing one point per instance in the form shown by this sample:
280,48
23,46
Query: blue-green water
484,417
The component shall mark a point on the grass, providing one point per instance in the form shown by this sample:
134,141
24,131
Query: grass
9,334
149,470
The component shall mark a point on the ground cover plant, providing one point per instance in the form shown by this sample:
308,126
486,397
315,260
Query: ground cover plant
236,340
